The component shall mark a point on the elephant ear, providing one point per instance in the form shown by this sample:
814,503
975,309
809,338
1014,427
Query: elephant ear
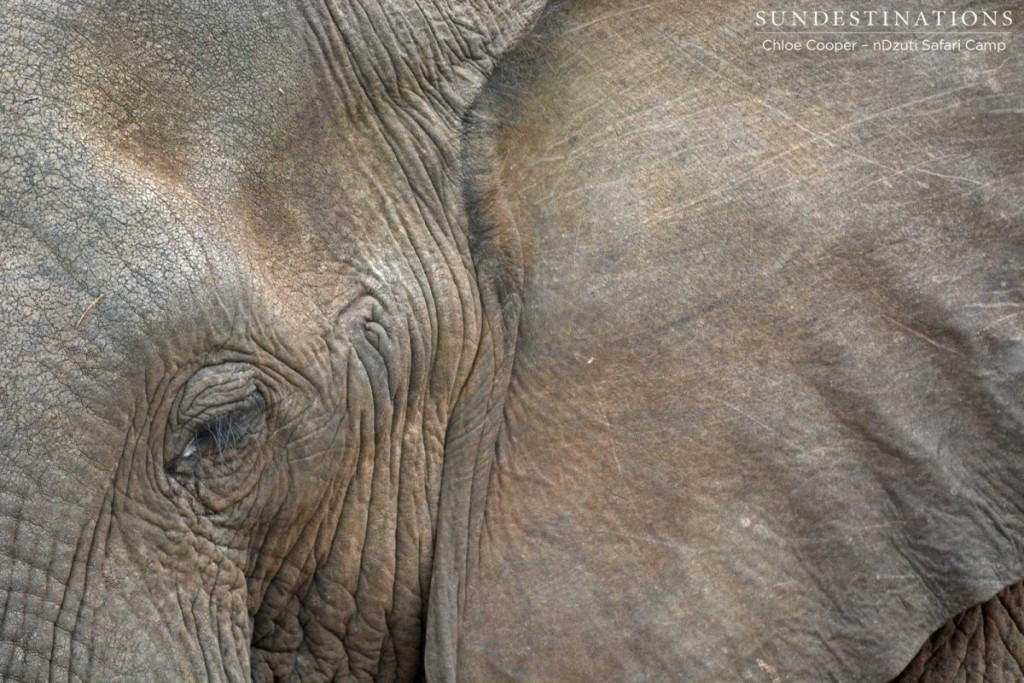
765,411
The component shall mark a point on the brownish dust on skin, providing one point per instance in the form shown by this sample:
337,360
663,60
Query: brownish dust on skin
764,420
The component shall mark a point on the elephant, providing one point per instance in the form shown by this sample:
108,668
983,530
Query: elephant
505,340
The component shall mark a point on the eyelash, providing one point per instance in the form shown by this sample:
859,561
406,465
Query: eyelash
226,434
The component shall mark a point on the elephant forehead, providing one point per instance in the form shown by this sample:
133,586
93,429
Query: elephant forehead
179,83
91,226
154,152
170,146
81,209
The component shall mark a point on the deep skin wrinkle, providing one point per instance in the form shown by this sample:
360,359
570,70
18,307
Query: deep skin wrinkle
231,467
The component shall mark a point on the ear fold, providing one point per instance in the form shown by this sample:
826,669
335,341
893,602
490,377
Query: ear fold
476,423
429,48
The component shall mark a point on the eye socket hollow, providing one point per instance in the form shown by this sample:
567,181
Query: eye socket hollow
217,437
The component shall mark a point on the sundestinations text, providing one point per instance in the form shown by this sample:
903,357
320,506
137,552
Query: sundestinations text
882,18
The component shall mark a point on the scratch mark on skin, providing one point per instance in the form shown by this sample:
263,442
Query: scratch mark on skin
921,335
897,577
89,308
601,417
622,498
769,669
950,177
1003,319
1005,304
612,443
761,424
680,547
610,15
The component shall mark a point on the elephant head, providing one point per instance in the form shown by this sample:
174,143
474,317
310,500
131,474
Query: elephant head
246,328
331,348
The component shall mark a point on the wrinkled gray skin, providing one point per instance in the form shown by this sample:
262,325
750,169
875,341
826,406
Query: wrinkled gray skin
765,421
241,325
679,359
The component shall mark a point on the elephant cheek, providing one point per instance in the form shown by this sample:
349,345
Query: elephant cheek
122,617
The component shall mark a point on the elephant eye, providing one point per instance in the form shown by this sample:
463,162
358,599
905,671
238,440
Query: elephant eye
225,436
218,447
223,415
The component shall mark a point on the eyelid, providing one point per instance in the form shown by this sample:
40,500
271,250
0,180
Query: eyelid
216,391
243,406
230,429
